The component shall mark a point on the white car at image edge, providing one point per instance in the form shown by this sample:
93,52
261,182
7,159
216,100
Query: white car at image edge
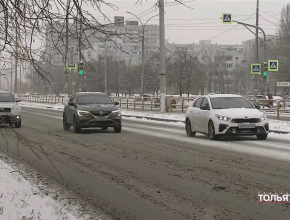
225,115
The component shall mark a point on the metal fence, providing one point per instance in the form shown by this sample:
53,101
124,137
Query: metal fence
149,104
172,104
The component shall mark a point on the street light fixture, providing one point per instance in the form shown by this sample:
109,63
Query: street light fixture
143,52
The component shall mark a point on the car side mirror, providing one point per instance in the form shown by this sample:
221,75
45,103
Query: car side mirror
117,103
71,104
18,100
257,106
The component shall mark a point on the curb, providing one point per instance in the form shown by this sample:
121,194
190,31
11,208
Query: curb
152,118
173,120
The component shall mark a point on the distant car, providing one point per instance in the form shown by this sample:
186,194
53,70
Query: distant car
91,110
10,111
225,115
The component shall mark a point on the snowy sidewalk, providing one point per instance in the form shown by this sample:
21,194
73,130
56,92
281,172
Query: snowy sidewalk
275,125
19,199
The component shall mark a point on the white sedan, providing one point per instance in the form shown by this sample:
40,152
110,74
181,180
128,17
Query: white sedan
225,115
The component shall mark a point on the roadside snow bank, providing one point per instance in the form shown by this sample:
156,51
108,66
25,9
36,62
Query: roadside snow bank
21,200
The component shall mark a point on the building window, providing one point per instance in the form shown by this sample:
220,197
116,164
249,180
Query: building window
236,58
229,58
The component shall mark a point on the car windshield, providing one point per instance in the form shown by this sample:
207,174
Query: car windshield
6,97
93,99
230,102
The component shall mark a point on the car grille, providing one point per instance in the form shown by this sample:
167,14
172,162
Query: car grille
246,120
98,113
5,109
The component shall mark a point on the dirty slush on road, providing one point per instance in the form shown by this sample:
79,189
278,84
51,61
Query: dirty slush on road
133,176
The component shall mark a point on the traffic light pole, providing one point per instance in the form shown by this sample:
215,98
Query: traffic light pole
264,41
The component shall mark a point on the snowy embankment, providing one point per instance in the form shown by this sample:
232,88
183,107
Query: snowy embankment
19,199
275,125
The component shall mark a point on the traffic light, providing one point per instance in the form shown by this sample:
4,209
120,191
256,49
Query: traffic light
265,70
81,68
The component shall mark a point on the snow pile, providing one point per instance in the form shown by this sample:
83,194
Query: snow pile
276,125
21,200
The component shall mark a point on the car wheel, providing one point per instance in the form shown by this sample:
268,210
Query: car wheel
211,131
189,132
77,128
262,136
104,128
66,127
18,124
118,129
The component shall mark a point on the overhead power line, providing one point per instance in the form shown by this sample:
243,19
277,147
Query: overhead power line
230,28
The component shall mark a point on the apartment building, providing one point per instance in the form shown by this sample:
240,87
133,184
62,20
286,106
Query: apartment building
225,59
126,44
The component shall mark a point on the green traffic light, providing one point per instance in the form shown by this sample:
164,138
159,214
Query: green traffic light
265,73
81,72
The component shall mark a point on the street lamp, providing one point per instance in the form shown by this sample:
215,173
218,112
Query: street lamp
143,42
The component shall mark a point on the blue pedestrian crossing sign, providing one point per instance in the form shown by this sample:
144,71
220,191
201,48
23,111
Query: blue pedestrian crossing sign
227,18
273,65
255,68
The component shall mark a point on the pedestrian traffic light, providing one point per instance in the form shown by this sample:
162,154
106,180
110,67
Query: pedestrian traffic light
81,68
265,70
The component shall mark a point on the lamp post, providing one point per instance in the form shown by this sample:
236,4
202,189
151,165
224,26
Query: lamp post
143,52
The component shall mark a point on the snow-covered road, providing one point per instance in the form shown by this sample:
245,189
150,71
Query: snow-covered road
152,170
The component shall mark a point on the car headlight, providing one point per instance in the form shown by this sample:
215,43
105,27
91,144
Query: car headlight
264,117
81,113
117,112
223,118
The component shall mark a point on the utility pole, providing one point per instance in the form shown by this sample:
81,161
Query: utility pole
106,83
72,72
143,61
16,60
162,69
143,49
66,52
257,48
79,80
20,69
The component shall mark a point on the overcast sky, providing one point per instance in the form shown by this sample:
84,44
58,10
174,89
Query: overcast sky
202,22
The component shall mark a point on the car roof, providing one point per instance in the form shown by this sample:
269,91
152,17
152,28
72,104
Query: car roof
223,95
4,91
90,93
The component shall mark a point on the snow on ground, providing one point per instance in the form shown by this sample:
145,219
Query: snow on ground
19,199
275,125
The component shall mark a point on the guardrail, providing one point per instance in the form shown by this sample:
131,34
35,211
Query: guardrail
273,106
43,99
149,104
172,104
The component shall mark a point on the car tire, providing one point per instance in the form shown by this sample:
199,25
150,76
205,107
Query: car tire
18,124
66,127
77,128
262,136
189,132
104,128
211,131
118,129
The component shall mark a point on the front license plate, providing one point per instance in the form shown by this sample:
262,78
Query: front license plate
247,126
4,113
101,119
